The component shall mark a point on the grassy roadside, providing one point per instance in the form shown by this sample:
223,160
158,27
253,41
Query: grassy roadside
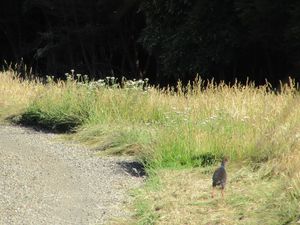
181,136
16,94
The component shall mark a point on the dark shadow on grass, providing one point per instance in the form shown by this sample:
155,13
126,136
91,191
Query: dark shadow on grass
37,125
134,168
203,160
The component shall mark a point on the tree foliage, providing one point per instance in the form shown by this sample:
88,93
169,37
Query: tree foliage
165,40
224,38
97,37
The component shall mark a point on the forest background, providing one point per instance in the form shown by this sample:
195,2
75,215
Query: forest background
164,40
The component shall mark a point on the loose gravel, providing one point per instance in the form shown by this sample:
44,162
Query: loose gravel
43,181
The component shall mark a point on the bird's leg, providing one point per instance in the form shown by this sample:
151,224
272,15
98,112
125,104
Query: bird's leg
213,192
222,192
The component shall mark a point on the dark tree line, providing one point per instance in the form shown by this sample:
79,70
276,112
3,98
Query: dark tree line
164,40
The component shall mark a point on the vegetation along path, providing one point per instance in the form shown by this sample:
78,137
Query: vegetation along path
46,182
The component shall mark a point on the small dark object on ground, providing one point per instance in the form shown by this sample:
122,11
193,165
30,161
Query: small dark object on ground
134,168
219,178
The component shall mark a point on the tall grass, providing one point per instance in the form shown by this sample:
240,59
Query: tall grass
16,94
243,122
60,106
193,126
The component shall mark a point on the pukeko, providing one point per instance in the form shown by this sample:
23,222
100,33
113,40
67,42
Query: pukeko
219,178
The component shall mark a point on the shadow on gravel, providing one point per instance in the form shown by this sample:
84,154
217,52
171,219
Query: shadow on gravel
60,128
135,169
51,130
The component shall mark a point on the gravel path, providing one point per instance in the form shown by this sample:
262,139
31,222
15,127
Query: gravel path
46,182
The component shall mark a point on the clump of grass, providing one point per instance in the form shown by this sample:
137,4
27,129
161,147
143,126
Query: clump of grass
16,94
62,106
118,139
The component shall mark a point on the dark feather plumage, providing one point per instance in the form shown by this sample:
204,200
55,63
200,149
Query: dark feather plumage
220,176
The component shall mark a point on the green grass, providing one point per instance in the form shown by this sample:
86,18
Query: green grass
16,94
250,198
181,136
114,138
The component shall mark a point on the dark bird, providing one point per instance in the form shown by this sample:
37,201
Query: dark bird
219,178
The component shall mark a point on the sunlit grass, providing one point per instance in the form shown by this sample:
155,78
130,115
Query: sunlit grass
16,94
179,135
185,198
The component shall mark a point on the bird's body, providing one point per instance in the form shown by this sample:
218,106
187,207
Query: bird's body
220,177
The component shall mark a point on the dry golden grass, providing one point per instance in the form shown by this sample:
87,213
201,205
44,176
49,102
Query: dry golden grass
16,94
185,198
